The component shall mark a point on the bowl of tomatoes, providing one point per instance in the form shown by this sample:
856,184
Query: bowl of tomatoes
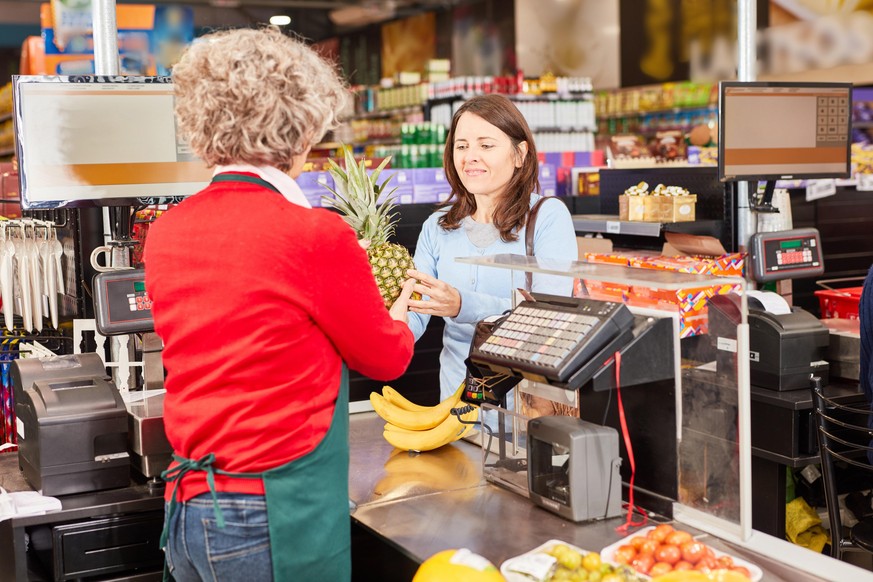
661,549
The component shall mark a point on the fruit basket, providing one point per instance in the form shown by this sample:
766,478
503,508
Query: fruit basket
645,549
556,561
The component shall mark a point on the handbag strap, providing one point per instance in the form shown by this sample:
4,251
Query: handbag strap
529,237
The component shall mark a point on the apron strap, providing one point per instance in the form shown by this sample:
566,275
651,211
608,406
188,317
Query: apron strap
204,463
235,177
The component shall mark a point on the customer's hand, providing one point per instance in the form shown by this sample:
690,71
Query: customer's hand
445,300
400,308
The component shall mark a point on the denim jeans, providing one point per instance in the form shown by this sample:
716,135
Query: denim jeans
198,550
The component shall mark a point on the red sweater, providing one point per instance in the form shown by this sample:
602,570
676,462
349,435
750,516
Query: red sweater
259,302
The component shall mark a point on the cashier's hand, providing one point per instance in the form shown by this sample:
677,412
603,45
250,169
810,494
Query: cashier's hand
400,308
444,300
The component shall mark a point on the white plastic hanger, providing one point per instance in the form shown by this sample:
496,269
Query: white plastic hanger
7,252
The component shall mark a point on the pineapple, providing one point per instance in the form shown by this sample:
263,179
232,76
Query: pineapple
356,199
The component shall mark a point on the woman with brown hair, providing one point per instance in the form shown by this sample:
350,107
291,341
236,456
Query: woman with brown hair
491,164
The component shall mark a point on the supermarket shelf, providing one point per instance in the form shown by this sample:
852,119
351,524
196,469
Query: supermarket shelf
659,111
862,124
610,224
8,151
580,128
378,141
385,113
518,97
5,116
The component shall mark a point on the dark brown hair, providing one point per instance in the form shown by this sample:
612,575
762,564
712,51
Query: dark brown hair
511,210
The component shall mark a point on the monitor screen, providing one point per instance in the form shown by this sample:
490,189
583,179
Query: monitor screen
98,141
776,131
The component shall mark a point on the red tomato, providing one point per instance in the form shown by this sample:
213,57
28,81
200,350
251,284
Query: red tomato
742,570
660,568
624,554
725,562
660,533
677,538
668,553
683,565
693,551
706,564
648,547
637,541
643,563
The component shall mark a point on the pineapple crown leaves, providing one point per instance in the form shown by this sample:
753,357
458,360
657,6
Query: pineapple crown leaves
355,196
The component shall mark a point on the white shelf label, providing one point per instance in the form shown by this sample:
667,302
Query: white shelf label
816,189
865,183
613,227
726,344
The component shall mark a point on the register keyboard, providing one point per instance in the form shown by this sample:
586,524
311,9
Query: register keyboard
550,339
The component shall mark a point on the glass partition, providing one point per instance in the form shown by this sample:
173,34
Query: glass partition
675,378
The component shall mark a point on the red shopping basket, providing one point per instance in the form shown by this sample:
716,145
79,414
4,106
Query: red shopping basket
839,303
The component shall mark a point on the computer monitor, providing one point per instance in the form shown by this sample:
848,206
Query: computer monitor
100,141
776,130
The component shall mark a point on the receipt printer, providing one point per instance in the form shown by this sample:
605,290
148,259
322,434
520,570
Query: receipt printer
71,423
573,467
785,349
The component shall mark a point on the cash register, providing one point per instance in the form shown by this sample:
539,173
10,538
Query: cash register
75,432
573,465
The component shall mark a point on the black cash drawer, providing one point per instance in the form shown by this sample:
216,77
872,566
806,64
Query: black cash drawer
107,545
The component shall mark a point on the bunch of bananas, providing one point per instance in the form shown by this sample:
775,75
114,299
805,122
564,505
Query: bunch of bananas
412,427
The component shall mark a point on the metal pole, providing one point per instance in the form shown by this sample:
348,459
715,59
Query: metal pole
105,33
106,62
747,24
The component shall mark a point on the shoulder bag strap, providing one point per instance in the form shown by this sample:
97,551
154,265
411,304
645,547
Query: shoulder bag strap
529,237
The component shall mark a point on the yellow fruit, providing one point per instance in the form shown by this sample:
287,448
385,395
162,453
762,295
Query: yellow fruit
570,559
451,429
695,576
457,566
397,399
591,561
425,419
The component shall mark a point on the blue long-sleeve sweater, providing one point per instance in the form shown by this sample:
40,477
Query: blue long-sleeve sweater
486,291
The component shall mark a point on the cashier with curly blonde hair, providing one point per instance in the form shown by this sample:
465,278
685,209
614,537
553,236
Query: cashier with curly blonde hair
259,319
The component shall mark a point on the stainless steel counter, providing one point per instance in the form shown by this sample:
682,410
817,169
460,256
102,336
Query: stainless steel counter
431,502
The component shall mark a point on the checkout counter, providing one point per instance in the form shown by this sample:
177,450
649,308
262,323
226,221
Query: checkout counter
99,454
406,507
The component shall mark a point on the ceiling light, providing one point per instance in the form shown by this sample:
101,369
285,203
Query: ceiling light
280,20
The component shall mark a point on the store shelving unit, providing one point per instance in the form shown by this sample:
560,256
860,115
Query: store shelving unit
611,224
6,151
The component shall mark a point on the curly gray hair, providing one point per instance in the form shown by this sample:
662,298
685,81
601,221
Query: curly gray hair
255,96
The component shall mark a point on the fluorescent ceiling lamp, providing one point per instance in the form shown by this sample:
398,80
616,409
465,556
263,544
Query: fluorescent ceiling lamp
280,20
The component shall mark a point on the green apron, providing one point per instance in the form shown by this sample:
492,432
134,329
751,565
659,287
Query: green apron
307,499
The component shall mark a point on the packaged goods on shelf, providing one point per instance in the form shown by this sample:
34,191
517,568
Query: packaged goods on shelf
548,177
429,185
702,156
689,303
313,186
663,204
571,159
